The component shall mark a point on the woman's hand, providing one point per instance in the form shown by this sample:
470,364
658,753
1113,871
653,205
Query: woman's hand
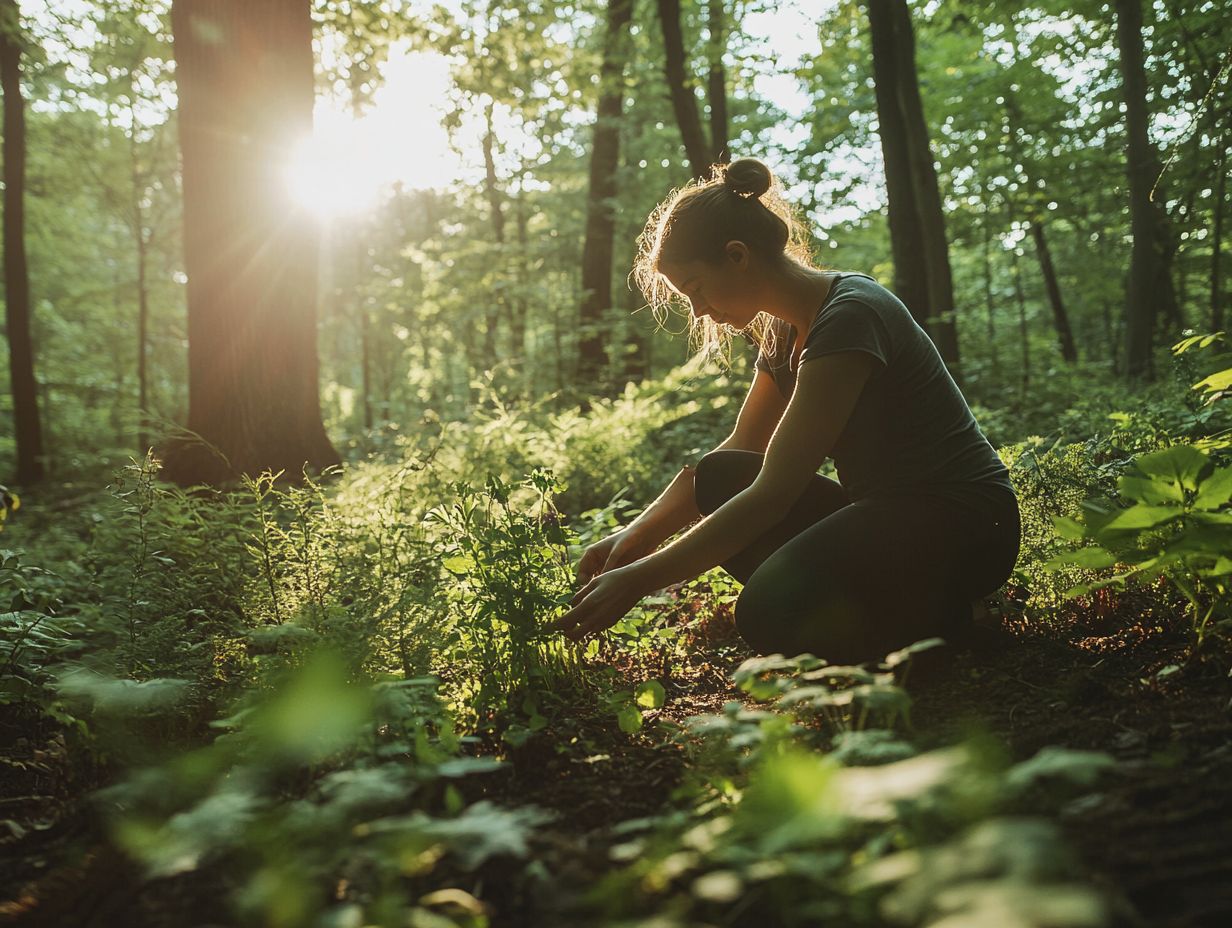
601,603
617,549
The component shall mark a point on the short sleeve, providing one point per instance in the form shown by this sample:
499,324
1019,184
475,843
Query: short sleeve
848,325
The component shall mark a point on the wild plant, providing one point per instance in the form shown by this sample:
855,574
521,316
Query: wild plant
783,831
324,801
511,571
1168,518
35,635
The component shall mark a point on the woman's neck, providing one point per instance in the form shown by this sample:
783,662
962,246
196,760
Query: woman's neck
795,293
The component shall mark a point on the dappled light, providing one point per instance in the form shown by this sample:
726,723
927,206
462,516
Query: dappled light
615,464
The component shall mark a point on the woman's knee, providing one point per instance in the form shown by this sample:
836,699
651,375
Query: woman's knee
722,474
782,620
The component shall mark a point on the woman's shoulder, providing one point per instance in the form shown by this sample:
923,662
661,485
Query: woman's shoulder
855,292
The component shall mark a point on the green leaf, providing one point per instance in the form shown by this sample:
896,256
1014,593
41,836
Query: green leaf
1091,558
1069,529
650,695
1220,380
1141,517
1180,464
1053,763
1215,490
629,719
1150,491
458,564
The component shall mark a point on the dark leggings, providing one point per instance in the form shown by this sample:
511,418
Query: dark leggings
851,581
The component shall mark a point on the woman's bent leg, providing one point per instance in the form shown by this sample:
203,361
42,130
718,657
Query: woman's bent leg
853,581
721,475
872,577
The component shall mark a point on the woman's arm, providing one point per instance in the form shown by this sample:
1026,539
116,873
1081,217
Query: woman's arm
826,392
676,506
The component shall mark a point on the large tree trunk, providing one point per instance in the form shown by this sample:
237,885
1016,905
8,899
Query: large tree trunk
1149,278
27,426
684,103
917,226
1060,318
600,205
716,81
245,78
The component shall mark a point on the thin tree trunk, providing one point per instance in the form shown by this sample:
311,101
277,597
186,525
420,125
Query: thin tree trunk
365,353
1149,278
600,205
245,81
519,307
716,82
493,308
988,294
28,429
1217,240
684,103
1060,318
1023,333
143,301
1112,335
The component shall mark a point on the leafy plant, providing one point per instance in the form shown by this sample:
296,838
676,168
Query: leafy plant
1176,525
511,573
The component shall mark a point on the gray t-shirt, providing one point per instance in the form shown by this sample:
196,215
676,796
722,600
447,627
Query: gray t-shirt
911,428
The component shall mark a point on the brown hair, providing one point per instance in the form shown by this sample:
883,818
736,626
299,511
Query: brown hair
739,201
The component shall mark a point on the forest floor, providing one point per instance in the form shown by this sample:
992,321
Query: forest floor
1157,836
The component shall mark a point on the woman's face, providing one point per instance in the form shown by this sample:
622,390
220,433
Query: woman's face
726,291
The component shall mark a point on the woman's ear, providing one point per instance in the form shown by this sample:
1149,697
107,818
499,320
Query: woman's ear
737,253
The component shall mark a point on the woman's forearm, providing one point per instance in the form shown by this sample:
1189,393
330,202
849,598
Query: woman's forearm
675,508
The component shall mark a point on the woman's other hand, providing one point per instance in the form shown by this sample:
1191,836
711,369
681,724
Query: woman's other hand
601,603
616,550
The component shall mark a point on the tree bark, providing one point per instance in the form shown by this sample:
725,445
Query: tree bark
27,422
1217,239
988,294
600,205
1023,333
492,311
1060,318
684,103
245,79
1149,278
927,193
518,309
716,82
142,244
922,274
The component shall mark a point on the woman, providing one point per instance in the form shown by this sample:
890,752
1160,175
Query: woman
924,518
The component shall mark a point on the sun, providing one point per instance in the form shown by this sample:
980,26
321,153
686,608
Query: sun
350,163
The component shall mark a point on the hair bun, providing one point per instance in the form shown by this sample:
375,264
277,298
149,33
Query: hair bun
747,177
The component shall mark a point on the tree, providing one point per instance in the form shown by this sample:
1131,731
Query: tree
917,224
679,85
28,426
716,80
1150,283
245,77
601,199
